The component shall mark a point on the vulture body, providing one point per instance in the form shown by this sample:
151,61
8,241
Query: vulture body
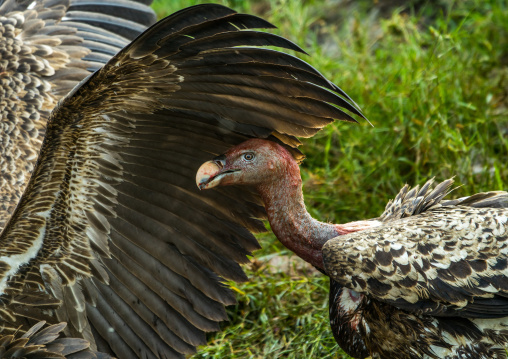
427,279
110,235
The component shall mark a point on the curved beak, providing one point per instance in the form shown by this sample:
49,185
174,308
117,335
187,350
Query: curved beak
210,173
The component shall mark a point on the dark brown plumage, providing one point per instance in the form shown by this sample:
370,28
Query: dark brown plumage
111,235
427,279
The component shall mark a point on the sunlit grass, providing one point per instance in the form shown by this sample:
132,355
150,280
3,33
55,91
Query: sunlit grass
433,80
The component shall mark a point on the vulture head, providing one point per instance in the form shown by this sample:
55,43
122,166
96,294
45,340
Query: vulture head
255,162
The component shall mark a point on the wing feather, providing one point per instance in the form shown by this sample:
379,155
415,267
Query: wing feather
440,257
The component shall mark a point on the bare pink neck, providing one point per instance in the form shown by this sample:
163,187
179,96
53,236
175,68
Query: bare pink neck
292,224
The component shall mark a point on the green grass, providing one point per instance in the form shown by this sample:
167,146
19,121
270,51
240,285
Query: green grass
433,80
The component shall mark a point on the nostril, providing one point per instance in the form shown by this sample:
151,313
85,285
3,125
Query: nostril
220,161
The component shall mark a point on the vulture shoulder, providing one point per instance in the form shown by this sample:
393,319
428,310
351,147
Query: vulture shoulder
111,234
429,255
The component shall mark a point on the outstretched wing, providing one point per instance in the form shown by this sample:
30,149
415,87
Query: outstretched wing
433,256
111,215
47,48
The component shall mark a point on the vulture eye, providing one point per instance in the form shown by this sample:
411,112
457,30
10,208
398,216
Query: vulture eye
248,156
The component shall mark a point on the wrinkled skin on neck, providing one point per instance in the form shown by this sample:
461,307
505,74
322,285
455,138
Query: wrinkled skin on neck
288,217
272,170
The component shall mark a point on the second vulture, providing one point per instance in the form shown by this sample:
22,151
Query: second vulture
427,279
46,48
111,235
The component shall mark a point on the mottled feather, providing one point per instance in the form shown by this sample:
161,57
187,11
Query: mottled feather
441,255
45,50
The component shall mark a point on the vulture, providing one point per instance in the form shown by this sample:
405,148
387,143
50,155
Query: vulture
427,279
46,48
110,234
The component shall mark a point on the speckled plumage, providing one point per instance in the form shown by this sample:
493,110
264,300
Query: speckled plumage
46,48
430,281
